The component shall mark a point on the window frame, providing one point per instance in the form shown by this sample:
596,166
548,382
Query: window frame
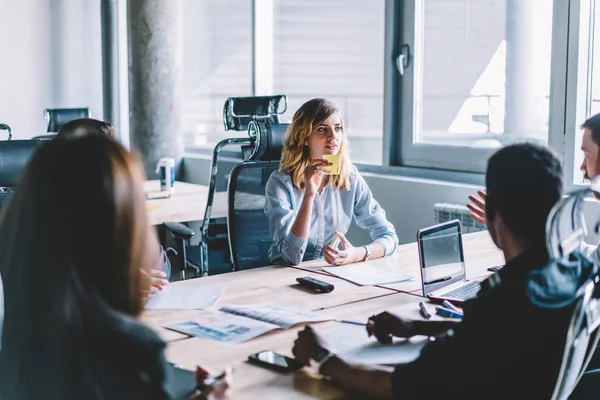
577,81
466,159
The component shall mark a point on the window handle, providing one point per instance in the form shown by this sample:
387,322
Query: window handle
403,59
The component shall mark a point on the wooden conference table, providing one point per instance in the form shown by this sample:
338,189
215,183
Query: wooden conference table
278,283
187,203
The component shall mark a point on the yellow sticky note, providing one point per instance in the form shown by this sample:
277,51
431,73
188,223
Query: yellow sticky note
334,159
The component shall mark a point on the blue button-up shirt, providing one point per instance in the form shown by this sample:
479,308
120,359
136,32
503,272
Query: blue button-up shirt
333,211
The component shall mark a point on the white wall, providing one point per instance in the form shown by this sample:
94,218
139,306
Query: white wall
51,57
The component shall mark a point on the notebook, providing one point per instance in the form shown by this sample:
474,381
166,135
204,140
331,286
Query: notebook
442,262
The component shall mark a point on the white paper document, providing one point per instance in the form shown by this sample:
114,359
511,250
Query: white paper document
277,314
236,324
354,346
367,274
183,298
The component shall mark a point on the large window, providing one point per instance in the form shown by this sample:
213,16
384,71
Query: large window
476,77
217,56
424,83
334,49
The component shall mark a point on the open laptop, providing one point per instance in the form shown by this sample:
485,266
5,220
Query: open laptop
442,262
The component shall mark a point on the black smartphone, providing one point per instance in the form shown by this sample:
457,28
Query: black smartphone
275,361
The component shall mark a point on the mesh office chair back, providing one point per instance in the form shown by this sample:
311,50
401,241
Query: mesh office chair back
248,226
249,233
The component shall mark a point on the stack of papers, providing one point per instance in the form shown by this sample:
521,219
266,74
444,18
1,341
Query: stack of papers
178,297
352,344
367,274
237,324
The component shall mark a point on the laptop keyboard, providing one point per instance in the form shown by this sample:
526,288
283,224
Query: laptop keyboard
464,292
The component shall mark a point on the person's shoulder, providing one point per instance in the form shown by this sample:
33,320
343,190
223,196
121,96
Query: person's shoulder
279,180
280,177
559,280
140,333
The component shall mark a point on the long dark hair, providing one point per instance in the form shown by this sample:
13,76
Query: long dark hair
72,241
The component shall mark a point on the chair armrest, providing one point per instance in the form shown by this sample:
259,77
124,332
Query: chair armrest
179,230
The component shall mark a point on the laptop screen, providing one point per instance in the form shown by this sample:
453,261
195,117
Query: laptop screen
442,259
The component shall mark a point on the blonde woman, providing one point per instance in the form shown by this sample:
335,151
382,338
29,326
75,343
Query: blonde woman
308,209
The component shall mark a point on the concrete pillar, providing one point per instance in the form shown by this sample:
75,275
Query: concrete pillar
110,63
524,96
155,59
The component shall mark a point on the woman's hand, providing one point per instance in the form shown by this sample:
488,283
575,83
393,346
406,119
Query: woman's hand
477,207
313,175
216,390
347,255
153,282
386,324
158,279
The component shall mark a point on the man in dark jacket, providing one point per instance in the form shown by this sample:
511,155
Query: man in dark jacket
511,340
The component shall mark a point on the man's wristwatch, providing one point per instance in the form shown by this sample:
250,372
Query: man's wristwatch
368,255
320,358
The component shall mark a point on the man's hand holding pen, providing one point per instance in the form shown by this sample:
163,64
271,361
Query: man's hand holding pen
385,326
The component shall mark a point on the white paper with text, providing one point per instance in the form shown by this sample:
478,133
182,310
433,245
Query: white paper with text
276,313
221,327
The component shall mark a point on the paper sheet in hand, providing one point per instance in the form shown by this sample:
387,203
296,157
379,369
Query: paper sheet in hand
354,346
236,324
366,274
177,297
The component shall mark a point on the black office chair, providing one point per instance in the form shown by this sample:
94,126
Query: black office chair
5,127
14,156
57,117
238,114
248,225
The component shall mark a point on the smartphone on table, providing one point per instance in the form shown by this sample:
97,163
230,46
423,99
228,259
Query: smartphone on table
270,359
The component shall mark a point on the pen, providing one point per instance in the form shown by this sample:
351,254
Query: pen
451,306
448,313
446,278
423,311
351,322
